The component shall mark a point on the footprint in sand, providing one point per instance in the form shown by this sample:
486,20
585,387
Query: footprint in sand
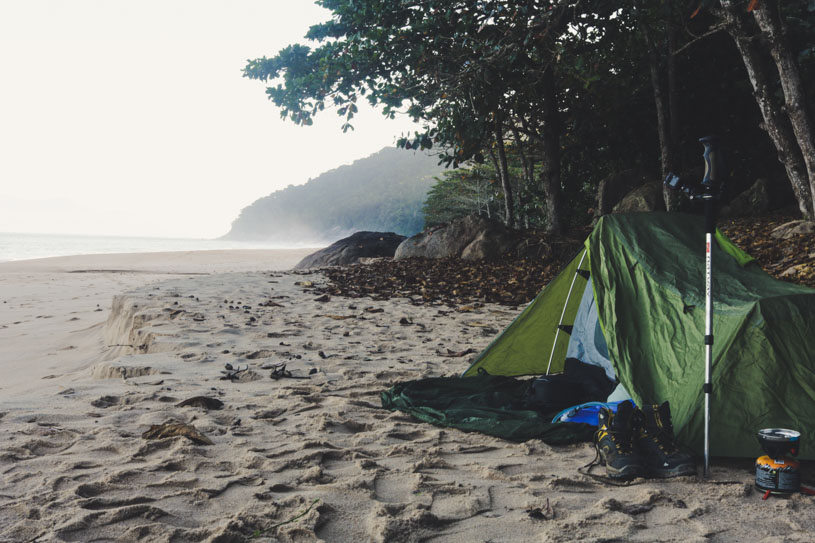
109,371
343,426
399,488
49,441
96,525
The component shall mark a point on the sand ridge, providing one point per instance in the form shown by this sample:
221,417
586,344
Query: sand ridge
313,456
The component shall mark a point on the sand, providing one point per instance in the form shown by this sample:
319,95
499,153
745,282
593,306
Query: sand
93,360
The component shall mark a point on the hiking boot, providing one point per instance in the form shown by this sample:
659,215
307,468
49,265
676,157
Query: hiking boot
614,441
655,442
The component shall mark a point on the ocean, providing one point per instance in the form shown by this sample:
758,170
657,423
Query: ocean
27,246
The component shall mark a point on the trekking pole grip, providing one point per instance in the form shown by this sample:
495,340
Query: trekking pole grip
712,161
712,181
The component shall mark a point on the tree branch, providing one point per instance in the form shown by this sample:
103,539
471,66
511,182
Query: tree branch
718,28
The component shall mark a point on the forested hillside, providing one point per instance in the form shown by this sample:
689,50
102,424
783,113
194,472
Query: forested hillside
383,193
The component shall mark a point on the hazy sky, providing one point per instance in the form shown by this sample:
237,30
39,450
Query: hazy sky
133,118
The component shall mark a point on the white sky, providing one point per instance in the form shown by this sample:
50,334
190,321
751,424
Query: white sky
133,118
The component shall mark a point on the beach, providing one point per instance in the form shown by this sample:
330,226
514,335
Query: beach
98,352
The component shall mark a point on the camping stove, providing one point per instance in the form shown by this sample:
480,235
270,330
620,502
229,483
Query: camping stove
778,472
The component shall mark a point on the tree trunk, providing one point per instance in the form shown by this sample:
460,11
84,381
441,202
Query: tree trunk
487,202
664,107
671,197
525,188
673,99
503,170
774,121
550,167
771,24
659,102
498,172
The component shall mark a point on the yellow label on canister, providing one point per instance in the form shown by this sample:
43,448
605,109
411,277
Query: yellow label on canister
778,474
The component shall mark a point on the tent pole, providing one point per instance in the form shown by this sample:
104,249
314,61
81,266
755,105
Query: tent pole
565,305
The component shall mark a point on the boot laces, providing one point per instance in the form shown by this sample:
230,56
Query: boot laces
622,441
661,433
621,438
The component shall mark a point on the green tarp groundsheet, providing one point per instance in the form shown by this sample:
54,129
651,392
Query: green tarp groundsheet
483,403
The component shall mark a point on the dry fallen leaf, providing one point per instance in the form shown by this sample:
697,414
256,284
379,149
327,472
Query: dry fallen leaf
515,279
477,323
202,401
459,354
176,429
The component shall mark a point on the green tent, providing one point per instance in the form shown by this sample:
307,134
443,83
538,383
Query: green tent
643,275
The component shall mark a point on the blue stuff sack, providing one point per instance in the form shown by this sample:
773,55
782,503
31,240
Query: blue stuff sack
585,412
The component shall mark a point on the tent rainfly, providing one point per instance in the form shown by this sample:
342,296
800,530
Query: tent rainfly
633,301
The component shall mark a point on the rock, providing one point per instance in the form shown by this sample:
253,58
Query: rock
789,229
469,238
648,197
614,188
753,201
481,249
351,249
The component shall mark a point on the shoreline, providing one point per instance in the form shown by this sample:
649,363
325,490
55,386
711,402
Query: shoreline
15,246
52,309
291,459
199,261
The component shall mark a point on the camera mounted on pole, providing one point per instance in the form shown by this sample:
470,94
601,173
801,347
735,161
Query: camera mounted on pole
712,185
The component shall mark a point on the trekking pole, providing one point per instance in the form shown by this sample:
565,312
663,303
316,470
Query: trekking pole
709,190
708,196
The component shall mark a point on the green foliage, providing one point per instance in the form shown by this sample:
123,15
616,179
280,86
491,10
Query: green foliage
380,193
462,192
475,189
451,64
475,73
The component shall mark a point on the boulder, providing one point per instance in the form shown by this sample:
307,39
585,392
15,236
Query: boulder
351,249
789,229
469,238
482,248
613,188
753,201
648,197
